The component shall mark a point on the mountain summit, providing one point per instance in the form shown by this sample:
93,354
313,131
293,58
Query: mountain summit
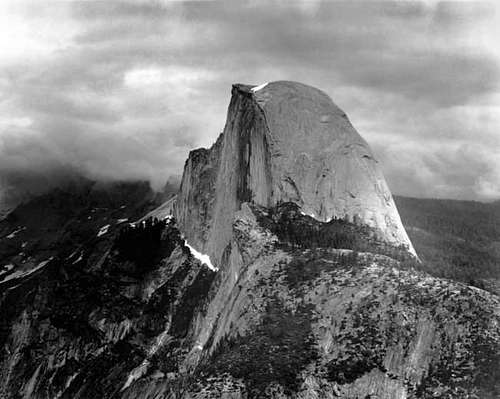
284,142
286,273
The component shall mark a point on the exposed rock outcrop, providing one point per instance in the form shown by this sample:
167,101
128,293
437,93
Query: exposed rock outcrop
284,142
317,293
294,319
327,322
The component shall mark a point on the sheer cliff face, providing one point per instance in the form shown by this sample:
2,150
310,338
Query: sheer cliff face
284,142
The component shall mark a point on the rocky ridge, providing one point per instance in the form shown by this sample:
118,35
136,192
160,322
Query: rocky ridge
292,315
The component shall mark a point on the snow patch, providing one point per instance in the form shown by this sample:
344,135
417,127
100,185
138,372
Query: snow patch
70,380
136,373
204,259
103,230
18,273
6,269
308,214
79,258
260,87
13,234
72,254
121,220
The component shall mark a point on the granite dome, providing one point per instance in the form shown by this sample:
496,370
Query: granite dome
284,142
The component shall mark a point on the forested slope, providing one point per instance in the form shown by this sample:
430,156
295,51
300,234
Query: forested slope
459,240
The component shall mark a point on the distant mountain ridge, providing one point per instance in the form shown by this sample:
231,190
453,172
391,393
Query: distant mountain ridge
455,239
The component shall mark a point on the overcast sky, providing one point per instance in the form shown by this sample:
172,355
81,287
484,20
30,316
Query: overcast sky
121,90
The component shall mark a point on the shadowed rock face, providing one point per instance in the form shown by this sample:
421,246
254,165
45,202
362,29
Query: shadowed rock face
285,142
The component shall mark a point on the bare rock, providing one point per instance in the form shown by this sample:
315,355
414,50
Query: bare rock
285,142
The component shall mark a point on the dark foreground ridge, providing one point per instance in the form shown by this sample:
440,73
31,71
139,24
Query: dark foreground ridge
347,316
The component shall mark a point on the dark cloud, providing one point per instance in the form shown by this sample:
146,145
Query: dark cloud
135,85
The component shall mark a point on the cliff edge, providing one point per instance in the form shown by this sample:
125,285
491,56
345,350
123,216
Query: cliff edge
284,142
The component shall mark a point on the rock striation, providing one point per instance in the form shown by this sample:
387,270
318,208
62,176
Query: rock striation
284,142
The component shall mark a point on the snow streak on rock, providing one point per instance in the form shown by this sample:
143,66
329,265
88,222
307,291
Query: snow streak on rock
260,87
13,234
203,258
103,230
19,273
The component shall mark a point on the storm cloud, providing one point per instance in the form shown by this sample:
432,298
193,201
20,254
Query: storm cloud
123,90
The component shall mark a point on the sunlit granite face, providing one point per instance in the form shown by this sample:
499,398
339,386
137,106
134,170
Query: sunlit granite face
285,141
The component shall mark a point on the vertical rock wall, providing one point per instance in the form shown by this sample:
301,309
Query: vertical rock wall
197,194
284,142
